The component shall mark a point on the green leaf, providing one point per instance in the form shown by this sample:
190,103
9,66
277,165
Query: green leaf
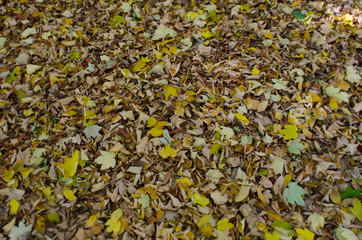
289,132
351,193
295,146
119,19
21,94
245,7
207,34
74,55
282,224
294,194
53,217
299,15
263,172
11,78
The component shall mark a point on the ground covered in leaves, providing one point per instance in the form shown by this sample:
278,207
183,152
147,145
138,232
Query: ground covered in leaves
180,120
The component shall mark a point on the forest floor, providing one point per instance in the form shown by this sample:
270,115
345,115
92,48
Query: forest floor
180,119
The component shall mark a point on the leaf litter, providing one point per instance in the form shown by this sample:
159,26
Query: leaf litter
180,119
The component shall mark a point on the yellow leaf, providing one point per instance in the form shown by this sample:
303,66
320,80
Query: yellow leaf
116,223
348,19
170,91
48,194
139,65
24,171
69,194
113,226
289,132
167,151
28,112
261,227
54,217
206,230
146,59
278,116
333,103
304,234
125,72
243,193
40,225
14,206
224,224
160,124
117,214
274,215
92,220
215,148
269,35
255,71
184,182
313,97
260,195
242,118
173,50
203,220
335,197
269,236
357,208
199,199
69,167
90,114
156,132
207,34
192,15
167,51
307,35
151,122
152,191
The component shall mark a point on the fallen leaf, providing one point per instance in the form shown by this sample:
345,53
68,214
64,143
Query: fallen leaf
107,160
304,234
21,232
243,193
224,224
170,91
167,152
294,194
92,131
289,132
69,167
199,199
14,206
316,221
69,194
357,208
